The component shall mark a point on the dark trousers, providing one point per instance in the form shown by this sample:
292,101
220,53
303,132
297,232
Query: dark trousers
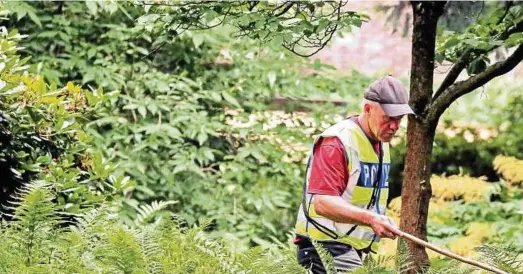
345,257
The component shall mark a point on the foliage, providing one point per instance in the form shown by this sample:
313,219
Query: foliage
470,145
494,219
43,137
97,242
498,28
510,168
298,26
170,127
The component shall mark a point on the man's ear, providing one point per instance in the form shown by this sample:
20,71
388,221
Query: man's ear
367,108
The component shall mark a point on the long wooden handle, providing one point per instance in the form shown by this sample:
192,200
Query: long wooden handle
450,254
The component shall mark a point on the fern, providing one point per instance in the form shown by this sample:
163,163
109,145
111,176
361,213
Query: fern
444,266
402,258
374,265
96,242
35,220
148,239
326,259
147,213
506,258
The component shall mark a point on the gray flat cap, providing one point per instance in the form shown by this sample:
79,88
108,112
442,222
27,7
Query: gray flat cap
390,93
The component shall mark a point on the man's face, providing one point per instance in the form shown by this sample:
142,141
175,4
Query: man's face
382,126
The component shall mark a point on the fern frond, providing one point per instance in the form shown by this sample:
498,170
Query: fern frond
505,258
149,241
326,259
445,266
146,213
374,265
402,259
121,253
35,222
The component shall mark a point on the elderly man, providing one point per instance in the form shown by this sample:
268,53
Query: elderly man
346,189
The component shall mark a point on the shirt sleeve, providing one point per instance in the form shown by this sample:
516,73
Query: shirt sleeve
329,169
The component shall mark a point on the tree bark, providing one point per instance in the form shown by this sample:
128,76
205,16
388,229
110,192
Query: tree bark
416,190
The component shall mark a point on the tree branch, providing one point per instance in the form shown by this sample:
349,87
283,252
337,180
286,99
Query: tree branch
254,4
461,88
507,9
286,9
322,43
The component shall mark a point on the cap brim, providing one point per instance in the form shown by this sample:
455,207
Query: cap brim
393,110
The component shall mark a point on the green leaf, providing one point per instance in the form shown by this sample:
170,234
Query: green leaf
210,15
439,58
21,14
92,6
451,42
48,33
271,76
112,7
290,22
197,40
68,123
173,132
229,98
202,137
142,111
277,40
209,155
34,18
322,24
514,39
477,66
256,154
179,168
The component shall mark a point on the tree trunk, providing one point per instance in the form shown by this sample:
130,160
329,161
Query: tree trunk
416,190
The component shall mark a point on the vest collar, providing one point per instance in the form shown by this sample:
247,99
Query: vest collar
355,119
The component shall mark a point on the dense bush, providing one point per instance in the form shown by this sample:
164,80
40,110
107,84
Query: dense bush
43,137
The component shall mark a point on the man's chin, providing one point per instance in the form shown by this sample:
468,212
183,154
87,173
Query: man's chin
386,138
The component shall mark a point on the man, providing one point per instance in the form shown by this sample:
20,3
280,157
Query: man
346,189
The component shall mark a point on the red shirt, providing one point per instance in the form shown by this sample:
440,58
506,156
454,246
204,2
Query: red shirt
329,170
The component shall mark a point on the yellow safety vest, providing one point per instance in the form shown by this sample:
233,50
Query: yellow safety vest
363,169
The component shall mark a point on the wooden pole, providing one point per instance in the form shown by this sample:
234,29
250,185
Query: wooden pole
449,253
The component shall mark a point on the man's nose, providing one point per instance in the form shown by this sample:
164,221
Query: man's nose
395,125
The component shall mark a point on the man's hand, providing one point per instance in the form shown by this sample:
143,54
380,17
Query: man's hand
384,227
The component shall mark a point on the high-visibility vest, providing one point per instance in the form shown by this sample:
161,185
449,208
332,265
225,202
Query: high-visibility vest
363,169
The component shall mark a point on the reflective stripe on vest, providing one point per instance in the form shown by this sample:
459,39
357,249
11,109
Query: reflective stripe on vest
363,169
